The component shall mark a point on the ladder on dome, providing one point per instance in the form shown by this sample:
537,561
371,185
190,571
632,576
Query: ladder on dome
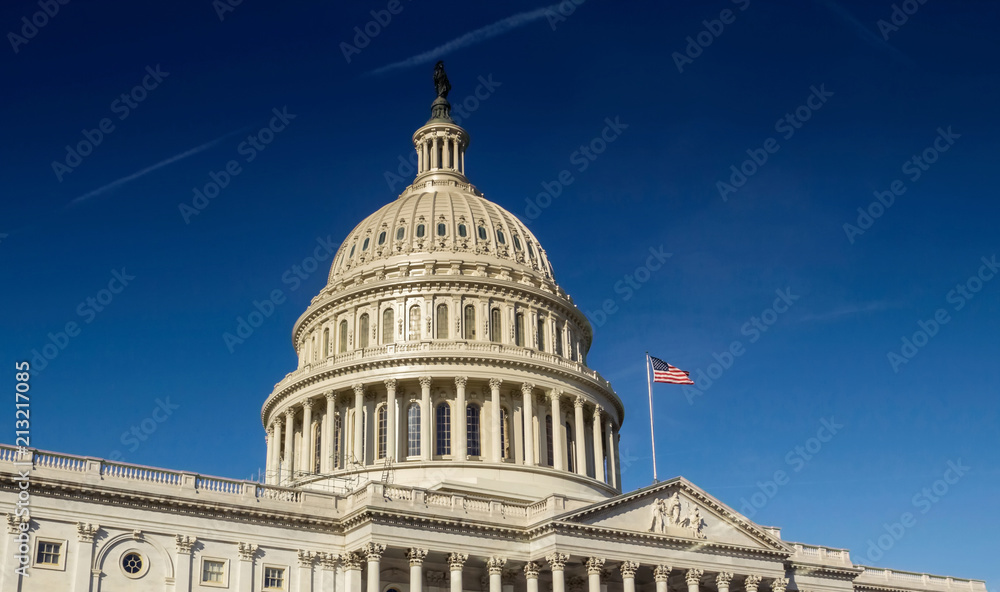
387,471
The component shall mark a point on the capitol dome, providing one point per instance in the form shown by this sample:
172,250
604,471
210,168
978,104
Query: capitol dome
442,354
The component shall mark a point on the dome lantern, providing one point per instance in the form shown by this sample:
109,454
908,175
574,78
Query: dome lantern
441,143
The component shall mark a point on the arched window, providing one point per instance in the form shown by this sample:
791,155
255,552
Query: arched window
382,431
387,326
326,344
343,337
482,233
420,231
519,329
517,242
363,331
541,333
570,456
472,430
462,232
413,430
442,321
442,424
558,339
414,323
442,229
495,325
550,454
381,238
504,434
400,233
364,245
470,322
338,429
500,237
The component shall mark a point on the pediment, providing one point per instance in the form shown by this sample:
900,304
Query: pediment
676,509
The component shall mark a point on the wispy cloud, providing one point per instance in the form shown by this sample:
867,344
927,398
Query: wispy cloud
843,311
864,32
119,182
471,38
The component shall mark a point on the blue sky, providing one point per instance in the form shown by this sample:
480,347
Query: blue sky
743,157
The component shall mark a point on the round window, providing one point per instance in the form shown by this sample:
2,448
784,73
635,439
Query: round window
133,564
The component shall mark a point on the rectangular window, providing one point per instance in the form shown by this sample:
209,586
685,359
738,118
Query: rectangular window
48,553
541,333
213,571
274,578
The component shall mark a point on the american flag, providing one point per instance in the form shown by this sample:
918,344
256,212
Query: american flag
664,372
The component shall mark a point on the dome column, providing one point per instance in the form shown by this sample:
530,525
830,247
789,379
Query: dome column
581,448
390,420
598,445
528,413
326,462
359,423
496,446
558,461
461,434
612,454
289,468
446,152
425,418
275,475
269,459
308,442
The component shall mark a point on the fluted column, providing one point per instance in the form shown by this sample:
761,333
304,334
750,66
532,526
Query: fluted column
581,449
358,448
598,445
461,433
269,459
779,584
416,558
661,575
496,445
446,153
609,429
390,419
594,567
274,475
751,583
558,439
531,570
628,569
326,462
557,562
528,414
495,567
426,449
693,577
289,466
373,553
435,161
352,571
308,442
722,580
456,561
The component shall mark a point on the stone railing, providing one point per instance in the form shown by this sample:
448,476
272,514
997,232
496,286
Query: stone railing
821,554
908,579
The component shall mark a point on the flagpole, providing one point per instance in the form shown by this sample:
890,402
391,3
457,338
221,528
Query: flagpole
652,434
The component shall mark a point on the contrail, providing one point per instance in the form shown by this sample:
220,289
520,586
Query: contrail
149,169
471,38
864,32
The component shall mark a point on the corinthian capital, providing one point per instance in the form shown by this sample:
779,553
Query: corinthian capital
390,384
495,384
595,565
693,576
723,578
461,381
629,568
373,551
557,561
495,564
359,389
457,560
416,556
531,570
425,381
778,585
662,573
526,389
751,583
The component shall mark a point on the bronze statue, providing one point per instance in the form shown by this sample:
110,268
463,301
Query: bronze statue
441,81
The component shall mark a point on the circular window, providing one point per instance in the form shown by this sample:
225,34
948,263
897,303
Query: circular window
381,237
482,233
461,231
134,564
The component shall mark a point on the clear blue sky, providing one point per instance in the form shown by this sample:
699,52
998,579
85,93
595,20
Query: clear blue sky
861,108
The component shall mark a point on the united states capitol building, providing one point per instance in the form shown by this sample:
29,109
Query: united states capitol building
442,432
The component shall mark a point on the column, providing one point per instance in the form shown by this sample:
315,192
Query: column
693,577
352,571
628,575
557,562
328,566
308,442
328,432
460,434
416,557
594,567
275,476
752,582
390,419
304,580
581,439
531,575
244,572
269,459
661,575
495,567
496,445
434,164
446,153
182,577
288,470
598,446
426,413
609,429
455,562
85,534
373,552
420,158
618,463
558,438
528,413
778,585
358,450
722,580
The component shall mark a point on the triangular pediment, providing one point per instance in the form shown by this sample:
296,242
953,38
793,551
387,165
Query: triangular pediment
677,509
